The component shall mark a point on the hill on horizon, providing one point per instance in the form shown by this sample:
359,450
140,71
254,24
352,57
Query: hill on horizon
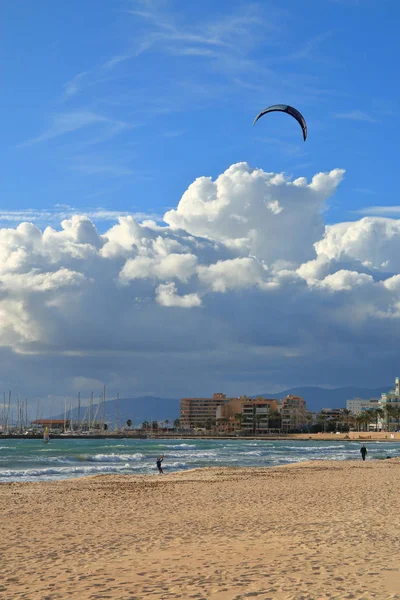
154,408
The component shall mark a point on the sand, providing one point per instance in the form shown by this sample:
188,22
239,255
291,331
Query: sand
315,530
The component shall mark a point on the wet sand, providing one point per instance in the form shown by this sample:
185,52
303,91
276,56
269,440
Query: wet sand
314,531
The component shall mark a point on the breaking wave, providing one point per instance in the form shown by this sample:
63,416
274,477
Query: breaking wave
109,458
28,460
61,472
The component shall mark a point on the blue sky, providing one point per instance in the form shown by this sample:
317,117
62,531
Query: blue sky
118,114
122,104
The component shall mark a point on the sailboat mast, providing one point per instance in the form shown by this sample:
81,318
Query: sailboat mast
18,414
104,408
71,425
116,413
90,411
9,411
51,415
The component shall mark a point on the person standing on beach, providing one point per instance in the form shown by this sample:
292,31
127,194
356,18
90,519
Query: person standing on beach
363,451
159,467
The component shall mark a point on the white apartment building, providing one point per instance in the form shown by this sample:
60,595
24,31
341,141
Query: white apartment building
393,396
359,405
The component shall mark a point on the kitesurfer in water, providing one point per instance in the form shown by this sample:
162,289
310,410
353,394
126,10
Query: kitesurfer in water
158,462
363,451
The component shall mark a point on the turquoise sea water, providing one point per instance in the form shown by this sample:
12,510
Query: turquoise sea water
32,460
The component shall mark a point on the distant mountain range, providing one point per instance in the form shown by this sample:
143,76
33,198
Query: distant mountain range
146,408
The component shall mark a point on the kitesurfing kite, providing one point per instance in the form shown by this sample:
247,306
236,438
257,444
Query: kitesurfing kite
290,111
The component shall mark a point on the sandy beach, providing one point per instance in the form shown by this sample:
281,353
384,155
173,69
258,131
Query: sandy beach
315,530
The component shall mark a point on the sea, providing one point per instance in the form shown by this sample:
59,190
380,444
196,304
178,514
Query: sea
32,460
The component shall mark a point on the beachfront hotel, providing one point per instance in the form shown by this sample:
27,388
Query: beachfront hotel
389,402
256,415
392,396
247,415
201,412
229,415
359,405
293,413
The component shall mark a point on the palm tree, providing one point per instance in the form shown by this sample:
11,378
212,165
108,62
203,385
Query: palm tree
238,418
390,413
246,420
221,424
309,419
353,422
379,415
166,423
209,424
129,422
396,415
369,416
359,420
346,416
259,418
274,416
177,423
322,418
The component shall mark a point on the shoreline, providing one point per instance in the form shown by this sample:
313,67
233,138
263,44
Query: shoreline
203,469
383,436
312,530
69,460
173,474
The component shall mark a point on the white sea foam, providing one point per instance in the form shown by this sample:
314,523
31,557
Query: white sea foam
29,474
109,458
62,459
182,446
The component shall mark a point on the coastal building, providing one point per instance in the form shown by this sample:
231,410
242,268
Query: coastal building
358,405
333,414
229,416
390,403
293,413
201,412
312,418
392,396
256,415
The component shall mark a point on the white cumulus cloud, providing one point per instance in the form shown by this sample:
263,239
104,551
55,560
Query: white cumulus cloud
256,207
242,289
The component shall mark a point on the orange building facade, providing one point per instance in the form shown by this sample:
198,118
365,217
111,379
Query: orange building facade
256,415
201,412
293,413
